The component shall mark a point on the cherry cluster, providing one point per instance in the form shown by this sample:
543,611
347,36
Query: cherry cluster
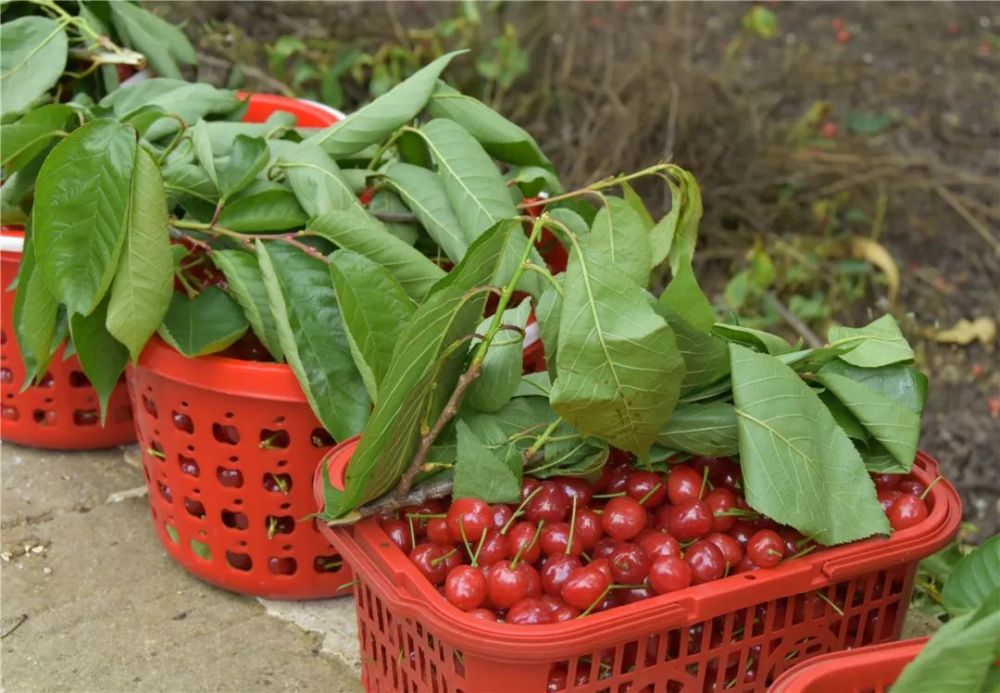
571,548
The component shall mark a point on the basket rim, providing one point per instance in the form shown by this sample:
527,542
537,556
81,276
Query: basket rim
812,671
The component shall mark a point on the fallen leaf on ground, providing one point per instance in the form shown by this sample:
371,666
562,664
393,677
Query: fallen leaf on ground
876,253
967,331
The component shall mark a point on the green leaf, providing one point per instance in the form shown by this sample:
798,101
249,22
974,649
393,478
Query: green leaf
312,336
81,212
619,234
32,57
636,203
501,138
702,429
186,179
503,363
160,41
846,420
266,210
371,124
189,102
388,202
317,181
202,143
207,324
661,236
222,133
879,343
423,192
102,356
548,314
144,281
533,385
706,357
906,385
975,578
571,454
534,179
375,310
473,183
34,316
22,141
481,474
424,369
799,467
249,157
246,283
685,237
684,297
618,371
367,236
758,340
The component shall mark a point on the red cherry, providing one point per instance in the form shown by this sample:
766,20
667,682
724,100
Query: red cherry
564,612
501,515
766,548
533,579
746,564
623,518
629,564
732,552
906,512
741,532
399,534
587,528
912,486
721,501
528,485
635,594
468,519
886,497
465,587
684,483
530,612
430,561
646,487
659,545
558,680
556,570
483,615
603,565
437,531
706,561
793,540
573,487
691,519
604,548
886,481
669,574
555,539
584,586
549,503
508,585
662,515
431,507
496,547
613,479
523,535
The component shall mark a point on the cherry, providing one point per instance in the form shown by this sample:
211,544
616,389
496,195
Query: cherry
646,487
746,564
659,545
533,579
501,515
907,511
573,487
555,539
521,538
635,594
706,561
912,486
587,529
691,519
483,614
465,587
528,486
604,548
431,507
431,562
508,583
683,484
556,570
726,474
766,548
530,612
662,516
886,481
721,501
603,565
669,574
886,497
564,612
623,518
613,480
496,547
468,519
793,540
629,564
585,586
732,552
741,532
399,534
437,531
549,503
558,680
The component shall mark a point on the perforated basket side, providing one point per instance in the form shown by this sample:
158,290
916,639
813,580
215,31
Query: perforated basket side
866,670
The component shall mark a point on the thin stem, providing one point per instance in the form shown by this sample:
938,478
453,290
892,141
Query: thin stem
532,267
543,438
572,527
608,182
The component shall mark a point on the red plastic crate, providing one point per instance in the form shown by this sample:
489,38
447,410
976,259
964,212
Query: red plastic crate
867,670
704,638
62,412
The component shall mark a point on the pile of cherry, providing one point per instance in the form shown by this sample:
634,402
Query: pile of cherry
571,548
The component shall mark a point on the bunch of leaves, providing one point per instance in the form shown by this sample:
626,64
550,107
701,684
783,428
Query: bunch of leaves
52,50
962,654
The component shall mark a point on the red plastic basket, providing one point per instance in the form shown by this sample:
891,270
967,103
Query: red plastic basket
62,412
867,670
704,638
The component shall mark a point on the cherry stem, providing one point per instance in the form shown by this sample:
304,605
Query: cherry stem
803,552
468,548
475,558
421,516
611,495
649,494
445,557
628,587
520,510
704,483
840,612
572,527
520,550
930,486
596,602
738,512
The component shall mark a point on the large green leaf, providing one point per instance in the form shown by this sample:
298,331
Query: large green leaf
388,202
500,137
376,121
503,363
548,314
424,369
375,310
758,340
879,343
423,192
32,57
144,280
22,141
706,357
702,429
661,236
204,325
201,141
188,101
312,336
102,356
619,235
81,212
246,283
689,217
976,577
34,316
684,297
479,473
317,180
182,179
161,42
248,158
263,209
799,467
474,185
366,235
222,133
618,370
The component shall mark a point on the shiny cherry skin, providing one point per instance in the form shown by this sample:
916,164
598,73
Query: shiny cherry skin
556,570
530,612
549,504
907,511
746,565
573,487
587,529
613,479
584,586
437,532
465,587
721,501
886,497
564,612
635,594
399,534
555,539
794,540
558,680
659,545
521,538
528,486
646,487
501,515
741,532
886,481
706,561
732,552
431,507
912,487
623,518
431,562
468,519
629,564
496,547
669,574
483,614
683,484
604,548
692,519
603,565
766,548
508,584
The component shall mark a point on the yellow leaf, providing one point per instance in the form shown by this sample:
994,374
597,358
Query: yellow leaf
966,332
876,253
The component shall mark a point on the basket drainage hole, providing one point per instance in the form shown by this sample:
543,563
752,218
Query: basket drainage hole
86,417
156,450
277,483
201,549
44,418
10,413
229,435
321,439
232,478
194,507
239,561
279,524
182,422
234,520
328,564
172,533
749,577
281,566
47,380
79,379
6,376
150,406
165,491
274,439
188,465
